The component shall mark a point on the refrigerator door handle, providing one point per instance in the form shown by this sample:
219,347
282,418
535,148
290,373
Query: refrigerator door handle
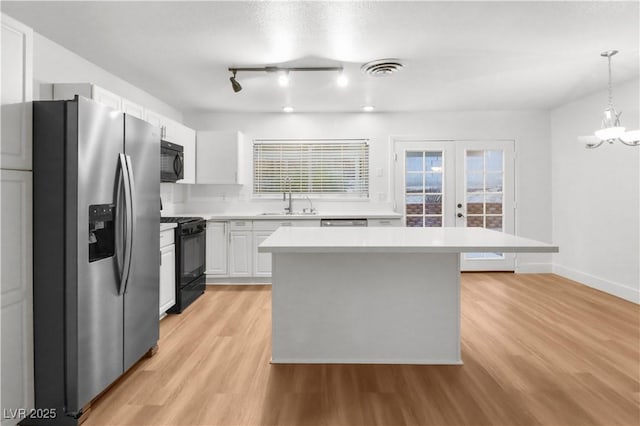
126,264
132,210
119,232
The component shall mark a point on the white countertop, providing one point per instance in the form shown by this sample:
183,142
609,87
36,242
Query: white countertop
167,226
396,239
320,215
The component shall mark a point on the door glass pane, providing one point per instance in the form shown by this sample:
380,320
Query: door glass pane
493,160
415,182
414,204
494,222
475,161
433,161
475,221
494,203
433,204
493,182
423,188
433,221
434,183
415,221
475,182
484,194
414,162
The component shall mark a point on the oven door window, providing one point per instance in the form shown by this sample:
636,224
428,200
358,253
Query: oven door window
193,247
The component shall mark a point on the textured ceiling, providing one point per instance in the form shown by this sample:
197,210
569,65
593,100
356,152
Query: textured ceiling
458,55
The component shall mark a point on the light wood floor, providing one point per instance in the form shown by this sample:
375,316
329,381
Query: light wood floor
537,349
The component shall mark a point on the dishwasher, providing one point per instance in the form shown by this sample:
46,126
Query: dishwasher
343,222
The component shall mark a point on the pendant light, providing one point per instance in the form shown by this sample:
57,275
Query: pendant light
611,130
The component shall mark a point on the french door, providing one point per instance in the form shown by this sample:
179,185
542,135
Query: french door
461,184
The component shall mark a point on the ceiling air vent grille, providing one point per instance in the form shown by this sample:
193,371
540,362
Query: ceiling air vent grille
382,67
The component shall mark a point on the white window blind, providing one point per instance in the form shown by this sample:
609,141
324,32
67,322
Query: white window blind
311,167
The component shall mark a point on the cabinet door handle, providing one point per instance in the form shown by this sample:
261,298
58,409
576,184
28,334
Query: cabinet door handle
160,257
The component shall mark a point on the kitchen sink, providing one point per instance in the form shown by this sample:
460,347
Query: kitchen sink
288,214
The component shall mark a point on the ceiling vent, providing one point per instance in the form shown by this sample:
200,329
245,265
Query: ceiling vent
382,67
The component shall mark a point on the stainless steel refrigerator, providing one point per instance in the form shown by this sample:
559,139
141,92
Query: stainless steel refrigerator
96,212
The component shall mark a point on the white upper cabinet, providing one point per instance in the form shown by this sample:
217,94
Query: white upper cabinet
132,109
106,97
169,129
187,138
17,93
218,156
89,91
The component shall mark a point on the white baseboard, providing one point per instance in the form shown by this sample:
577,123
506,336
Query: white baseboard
610,287
534,268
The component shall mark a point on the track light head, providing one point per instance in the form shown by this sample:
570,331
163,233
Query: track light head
234,83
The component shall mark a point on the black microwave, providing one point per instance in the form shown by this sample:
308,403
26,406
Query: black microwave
171,162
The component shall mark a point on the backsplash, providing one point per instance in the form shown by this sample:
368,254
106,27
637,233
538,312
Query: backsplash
201,199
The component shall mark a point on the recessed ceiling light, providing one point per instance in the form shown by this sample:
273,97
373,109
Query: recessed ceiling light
287,109
368,108
283,78
342,80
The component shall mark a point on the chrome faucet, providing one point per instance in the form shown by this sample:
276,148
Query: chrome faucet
289,209
311,209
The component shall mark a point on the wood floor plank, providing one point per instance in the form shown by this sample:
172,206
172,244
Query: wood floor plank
538,350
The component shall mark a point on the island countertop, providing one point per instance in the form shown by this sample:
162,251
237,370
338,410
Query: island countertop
398,240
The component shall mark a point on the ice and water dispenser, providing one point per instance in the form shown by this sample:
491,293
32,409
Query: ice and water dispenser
101,231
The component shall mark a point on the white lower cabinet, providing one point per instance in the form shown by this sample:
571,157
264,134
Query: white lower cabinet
167,270
217,241
232,247
385,222
261,261
240,253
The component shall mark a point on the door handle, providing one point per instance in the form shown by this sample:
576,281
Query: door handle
120,221
460,215
125,183
177,168
132,218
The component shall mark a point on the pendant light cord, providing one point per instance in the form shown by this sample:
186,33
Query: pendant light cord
610,88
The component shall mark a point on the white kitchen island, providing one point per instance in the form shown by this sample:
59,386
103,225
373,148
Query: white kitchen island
373,295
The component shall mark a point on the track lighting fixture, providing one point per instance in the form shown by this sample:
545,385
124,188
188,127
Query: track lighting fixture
234,83
283,74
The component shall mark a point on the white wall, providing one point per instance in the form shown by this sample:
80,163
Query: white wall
596,196
530,130
53,63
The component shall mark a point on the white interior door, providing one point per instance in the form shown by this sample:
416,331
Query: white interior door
458,183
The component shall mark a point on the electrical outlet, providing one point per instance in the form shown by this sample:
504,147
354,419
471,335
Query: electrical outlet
379,172
382,196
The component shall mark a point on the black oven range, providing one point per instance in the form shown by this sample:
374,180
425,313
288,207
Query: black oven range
190,260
